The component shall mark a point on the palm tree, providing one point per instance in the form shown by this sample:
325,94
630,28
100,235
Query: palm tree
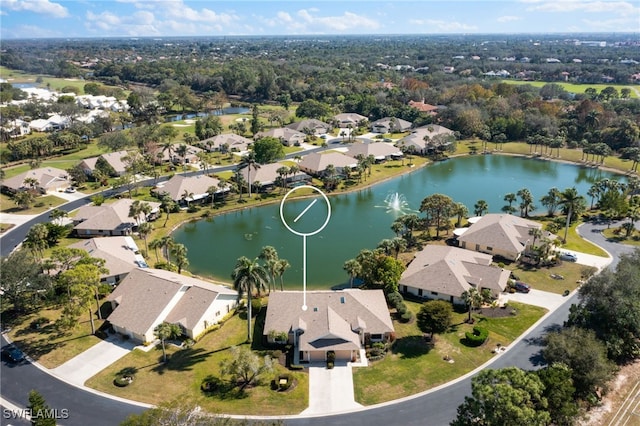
212,193
386,245
550,201
165,331
510,198
397,245
480,207
472,298
186,195
167,243
182,151
247,276
572,202
526,205
179,251
249,162
270,257
282,172
57,215
144,229
460,210
353,268
155,245
281,266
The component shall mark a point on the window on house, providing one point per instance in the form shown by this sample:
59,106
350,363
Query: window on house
342,300
376,337
435,293
489,248
419,292
477,247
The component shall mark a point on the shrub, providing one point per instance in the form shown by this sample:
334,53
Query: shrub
296,367
256,305
284,381
331,356
166,266
394,299
406,317
330,365
39,204
122,381
401,308
477,337
192,208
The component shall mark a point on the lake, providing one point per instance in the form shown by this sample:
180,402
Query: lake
361,219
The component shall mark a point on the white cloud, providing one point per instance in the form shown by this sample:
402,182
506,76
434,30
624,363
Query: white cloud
437,25
28,31
37,6
508,18
308,21
619,7
621,25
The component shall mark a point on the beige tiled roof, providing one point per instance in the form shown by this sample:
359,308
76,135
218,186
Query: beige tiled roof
312,123
44,175
235,142
452,270
316,162
352,117
377,149
332,318
416,138
400,124
118,253
508,233
114,159
283,133
107,217
197,185
145,293
266,174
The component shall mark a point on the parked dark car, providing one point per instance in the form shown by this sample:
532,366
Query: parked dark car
522,287
12,354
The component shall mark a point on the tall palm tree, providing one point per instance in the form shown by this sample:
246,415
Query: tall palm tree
353,268
179,252
144,229
281,266
270,257
155,245
572,202
134,211
282,172
186,195
165,331
460,210
480,207
247,276
182,151
167,243
212,193
510,198
249,162
526,204
398,244
472,298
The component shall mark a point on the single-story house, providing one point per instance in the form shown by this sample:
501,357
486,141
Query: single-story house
227,142
288,137
318,127
121,256
16,128
191,156
424,107
47,179
443,272
316,163
267,175
501,235
194,187
381,151
349,119
390,125
110,219
114,159
339,321
148,297
426,139
54,122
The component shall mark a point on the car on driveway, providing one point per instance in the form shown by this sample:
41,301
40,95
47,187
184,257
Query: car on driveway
565,255
70,190
12,354
522,287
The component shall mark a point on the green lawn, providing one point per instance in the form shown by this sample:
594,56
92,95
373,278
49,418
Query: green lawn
572,87
414,366
540,278
613,234
182,376
48,345
42,204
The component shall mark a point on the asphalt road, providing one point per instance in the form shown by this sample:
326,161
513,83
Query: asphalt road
431,409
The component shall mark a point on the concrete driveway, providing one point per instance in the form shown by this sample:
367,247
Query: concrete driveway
545,299
330,391
95,359
589,259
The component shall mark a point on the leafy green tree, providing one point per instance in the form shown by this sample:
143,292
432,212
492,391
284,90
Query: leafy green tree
245,367
24,199
551,201
509,396
114,141
388,273
438,209
23,282
82,282
268,150
41,413
248,275
312,108
435,316
36,239
166,331
610,306
559,392
584,354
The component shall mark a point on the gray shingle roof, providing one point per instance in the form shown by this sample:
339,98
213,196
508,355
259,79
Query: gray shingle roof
44,175
316,162
196,185
117,252
107,217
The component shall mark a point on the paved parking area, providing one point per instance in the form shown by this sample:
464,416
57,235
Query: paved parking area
330,391
95,359
589,259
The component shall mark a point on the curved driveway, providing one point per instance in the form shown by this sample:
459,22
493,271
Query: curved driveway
432,408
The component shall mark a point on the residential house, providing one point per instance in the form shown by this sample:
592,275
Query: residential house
46,179
185,189
109,219
114,159
316,163
227,142
316,126
349,119
121,256
288,137
381,151
443,272
339,321
390,125
148,297
267,175
191,156
423,107
426,139
16,128
503,235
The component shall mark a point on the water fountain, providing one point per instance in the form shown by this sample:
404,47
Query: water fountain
397,203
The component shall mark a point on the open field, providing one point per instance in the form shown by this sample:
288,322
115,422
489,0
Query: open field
577,88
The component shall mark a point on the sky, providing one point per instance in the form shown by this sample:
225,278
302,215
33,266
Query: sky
165,18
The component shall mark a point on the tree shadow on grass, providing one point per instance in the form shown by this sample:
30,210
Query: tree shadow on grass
221,389
37,348
412,346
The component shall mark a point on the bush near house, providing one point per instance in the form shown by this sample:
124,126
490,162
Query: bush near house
477,337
